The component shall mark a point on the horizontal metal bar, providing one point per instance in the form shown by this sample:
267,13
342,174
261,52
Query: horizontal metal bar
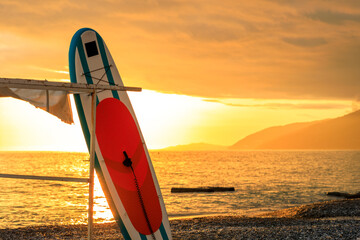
63,179
61,86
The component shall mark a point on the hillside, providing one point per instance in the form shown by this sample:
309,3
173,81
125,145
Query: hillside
338,133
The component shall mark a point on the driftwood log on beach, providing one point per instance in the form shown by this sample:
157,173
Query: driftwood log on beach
344,194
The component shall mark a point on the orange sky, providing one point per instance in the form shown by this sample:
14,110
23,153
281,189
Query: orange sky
235,66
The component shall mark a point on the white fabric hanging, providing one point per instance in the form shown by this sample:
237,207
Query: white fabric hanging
53,101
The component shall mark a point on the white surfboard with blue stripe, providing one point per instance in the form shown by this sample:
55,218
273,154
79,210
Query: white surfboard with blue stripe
122,161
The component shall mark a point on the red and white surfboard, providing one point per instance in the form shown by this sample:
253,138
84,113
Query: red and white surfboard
122,161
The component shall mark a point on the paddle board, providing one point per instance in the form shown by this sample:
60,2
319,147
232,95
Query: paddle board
122,161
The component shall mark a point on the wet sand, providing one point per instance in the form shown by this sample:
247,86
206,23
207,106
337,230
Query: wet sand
327,220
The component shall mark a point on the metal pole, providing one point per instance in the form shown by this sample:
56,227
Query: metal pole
47,101
48,178
92,161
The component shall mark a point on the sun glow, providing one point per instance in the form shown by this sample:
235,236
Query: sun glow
165,120
169,119
102,212
24,127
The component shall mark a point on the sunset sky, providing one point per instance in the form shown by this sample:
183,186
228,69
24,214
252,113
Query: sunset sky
212,71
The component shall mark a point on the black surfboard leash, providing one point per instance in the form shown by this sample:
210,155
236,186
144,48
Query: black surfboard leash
128,163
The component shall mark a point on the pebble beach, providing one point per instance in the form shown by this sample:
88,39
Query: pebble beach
339,219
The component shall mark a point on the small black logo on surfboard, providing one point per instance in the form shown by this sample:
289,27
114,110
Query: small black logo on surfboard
91,49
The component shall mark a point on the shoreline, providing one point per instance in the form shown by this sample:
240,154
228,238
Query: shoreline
337,219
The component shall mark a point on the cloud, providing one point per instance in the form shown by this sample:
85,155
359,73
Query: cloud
333,17
305,42
50,70
211,49
209,32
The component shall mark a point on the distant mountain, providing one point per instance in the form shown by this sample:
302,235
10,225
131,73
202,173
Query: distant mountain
256,140
338,133
196,147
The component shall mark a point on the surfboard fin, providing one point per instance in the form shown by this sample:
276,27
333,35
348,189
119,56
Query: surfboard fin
127,162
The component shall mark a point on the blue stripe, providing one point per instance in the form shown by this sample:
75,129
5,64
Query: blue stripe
73,79
84,64
106,63
163,232
76,42
72,52
143,237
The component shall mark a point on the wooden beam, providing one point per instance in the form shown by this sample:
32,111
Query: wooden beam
92,165
34,177
61,86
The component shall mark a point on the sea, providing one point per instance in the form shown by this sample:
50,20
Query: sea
263,180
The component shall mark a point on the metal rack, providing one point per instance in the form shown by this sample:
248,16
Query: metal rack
70,88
